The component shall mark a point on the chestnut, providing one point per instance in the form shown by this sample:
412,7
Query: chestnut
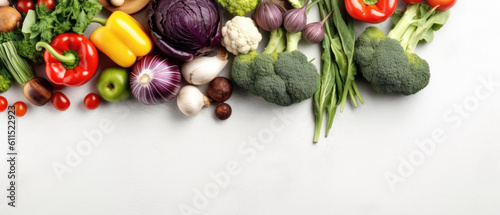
220,89
223,111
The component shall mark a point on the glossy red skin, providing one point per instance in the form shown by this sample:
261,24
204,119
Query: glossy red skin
60,101
3,104
50,4
443,4
58,87
91,101
86,68
412,1
20,109
375,13
24,5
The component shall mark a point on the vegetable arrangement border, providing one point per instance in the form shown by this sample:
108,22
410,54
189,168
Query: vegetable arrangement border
187,31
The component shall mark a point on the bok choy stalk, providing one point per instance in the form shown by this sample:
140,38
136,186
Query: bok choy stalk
37,90
338,69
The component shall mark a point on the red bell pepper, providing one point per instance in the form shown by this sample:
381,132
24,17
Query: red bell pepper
71,59
372,11
412,1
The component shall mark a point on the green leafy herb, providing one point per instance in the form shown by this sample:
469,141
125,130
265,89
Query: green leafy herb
67,16
5,79
337,78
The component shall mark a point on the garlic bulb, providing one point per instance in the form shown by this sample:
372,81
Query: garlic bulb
4,3
203,69
190,100
117,3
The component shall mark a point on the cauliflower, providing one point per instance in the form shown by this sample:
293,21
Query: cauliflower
240,35
239,7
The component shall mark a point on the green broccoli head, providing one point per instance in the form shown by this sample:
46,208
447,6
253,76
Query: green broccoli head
283,78
242,70
384,63
268,83
300,75
5,80
239,7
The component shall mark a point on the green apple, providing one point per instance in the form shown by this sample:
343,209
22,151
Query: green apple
113,84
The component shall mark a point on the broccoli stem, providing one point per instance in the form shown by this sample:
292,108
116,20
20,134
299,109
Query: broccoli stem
404,23
407,35
277,42
292,41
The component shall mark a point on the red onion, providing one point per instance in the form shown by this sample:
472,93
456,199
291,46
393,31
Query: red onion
295,20
314,32
155,80
268,16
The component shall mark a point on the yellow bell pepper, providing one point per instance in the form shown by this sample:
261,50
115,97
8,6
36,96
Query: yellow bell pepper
121,38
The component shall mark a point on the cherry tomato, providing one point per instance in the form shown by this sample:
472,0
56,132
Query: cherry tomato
24,5
412,1
60,101
443,4
91,101
20,108
50,4
3,104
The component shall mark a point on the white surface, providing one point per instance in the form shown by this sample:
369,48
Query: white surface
155,161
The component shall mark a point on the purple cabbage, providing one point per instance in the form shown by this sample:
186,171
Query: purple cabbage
183,29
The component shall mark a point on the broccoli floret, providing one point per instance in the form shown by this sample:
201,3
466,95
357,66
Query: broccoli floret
5,79
388,63
243,65
384,63
239,7
300,75
279,77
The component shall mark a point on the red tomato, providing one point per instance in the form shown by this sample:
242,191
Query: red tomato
443,4
50,4
3,104
91,101
412,1
60,101
24,5
20,109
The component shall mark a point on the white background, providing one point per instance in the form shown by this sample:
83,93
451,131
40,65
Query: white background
153,160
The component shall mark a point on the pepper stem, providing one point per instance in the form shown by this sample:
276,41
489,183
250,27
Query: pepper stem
370,2
101,21
68,58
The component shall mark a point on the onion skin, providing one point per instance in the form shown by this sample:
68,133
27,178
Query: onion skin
10,19
295,19
315,32
268,16
203,69
190,100
38,91
155,80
